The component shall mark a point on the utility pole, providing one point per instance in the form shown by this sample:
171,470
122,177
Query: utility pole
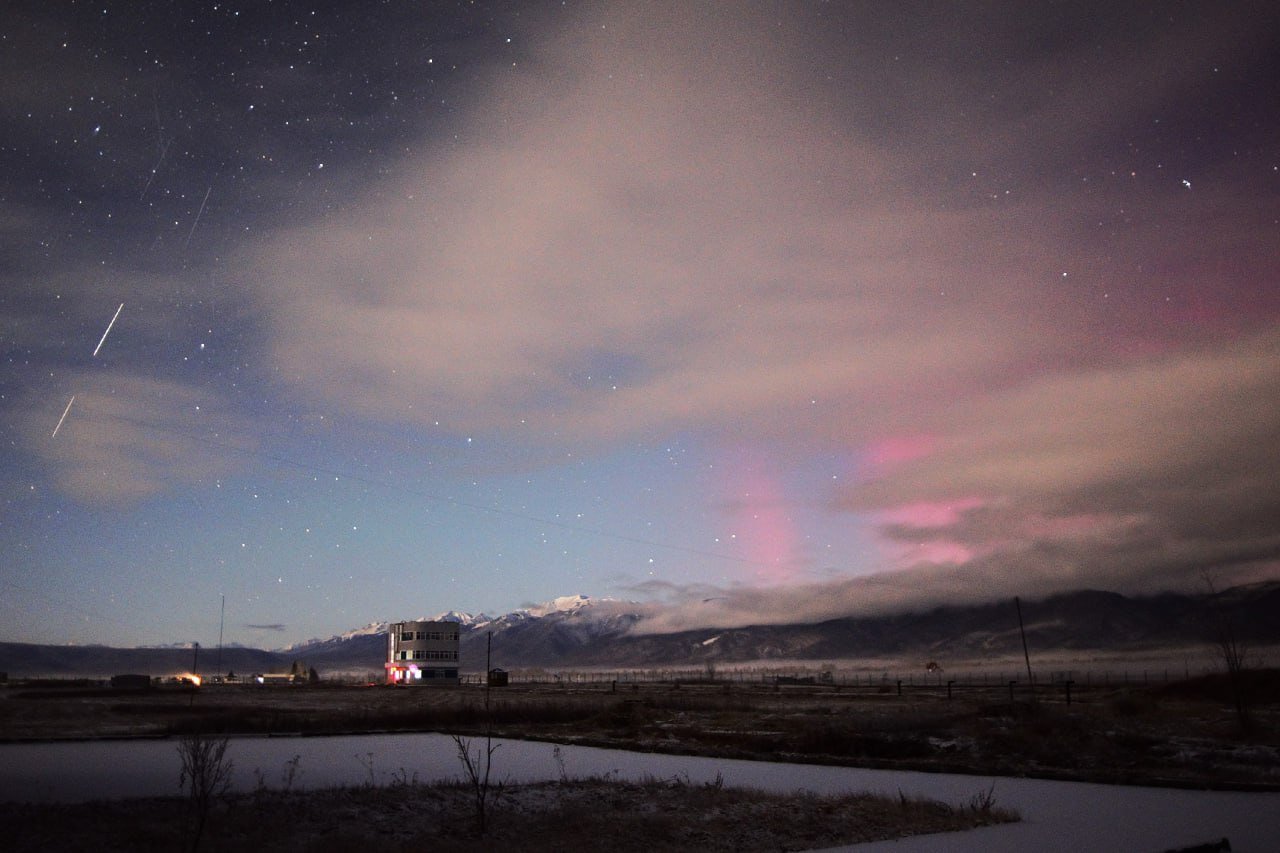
1025,654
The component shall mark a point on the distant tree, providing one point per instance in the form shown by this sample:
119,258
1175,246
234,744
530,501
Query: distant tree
1228,648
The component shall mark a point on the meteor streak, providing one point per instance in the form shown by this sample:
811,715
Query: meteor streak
64,416
108,331
199,213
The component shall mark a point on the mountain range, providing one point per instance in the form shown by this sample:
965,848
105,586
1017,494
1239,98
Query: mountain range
578,631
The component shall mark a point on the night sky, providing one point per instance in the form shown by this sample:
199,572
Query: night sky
746,312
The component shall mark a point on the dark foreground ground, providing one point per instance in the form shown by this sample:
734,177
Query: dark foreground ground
594,814
1183,733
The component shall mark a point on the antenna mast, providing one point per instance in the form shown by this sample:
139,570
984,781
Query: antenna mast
222,619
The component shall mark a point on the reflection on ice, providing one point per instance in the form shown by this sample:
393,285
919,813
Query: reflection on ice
1056,815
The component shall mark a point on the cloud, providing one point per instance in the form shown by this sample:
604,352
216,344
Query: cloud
127,438
1140,477
735,246
276,626
1136,479
676,607
684,207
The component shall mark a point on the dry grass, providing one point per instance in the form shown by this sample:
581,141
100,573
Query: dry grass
1179,733
552,816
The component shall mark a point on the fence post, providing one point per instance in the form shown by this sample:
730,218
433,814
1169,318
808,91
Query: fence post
1011,683
899,686
1067,686
949,683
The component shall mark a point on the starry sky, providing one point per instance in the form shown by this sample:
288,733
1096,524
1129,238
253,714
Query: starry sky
745,312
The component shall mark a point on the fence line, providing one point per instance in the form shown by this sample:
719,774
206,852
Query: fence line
1080,679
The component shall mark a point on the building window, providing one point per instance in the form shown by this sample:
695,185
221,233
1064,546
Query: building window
450,673
406,636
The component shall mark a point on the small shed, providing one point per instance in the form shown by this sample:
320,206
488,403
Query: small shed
498,677
131,681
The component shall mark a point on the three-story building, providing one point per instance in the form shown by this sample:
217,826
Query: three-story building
422,653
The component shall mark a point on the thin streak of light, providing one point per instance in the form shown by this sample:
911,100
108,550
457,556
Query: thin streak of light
199,213
164,150
160,143
108,331
64,416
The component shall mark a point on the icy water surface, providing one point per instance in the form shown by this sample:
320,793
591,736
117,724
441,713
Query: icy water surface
1057,816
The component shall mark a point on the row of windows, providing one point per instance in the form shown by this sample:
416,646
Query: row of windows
406,636
406,676
423,654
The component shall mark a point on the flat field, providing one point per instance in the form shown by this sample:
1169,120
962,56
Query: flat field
1180,733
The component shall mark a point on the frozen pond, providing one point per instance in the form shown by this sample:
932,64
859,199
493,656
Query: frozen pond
1066,816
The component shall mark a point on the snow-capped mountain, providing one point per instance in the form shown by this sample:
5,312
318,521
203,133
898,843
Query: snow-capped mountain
580,631
380,629
458,616
576,631
584,610
563,604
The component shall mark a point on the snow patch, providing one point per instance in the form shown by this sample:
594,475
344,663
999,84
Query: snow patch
563,604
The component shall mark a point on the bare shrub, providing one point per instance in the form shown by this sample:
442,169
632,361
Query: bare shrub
558,757
290,773
478,767
983,803
205,777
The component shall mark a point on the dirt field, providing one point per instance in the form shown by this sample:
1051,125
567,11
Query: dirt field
1181,733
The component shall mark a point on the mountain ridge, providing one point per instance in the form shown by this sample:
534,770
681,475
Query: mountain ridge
578,631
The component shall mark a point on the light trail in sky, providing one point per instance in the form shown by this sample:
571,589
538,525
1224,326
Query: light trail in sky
199,213
64,416
108,331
